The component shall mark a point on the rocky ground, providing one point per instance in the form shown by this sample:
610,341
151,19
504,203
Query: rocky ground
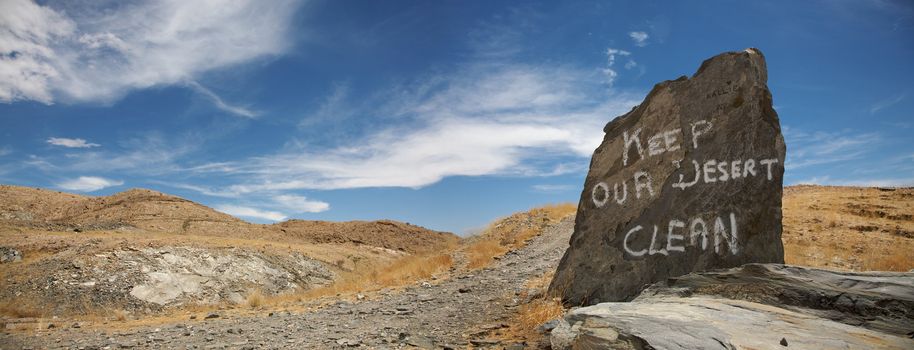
455,312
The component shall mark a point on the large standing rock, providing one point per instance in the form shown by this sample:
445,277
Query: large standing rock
689,180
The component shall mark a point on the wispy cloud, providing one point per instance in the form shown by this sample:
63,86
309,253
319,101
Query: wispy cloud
71,143
886,103
221,104
150,154
199,189
335,107
640,38
299,204
5,151
611,56
817,148
65,51
88,184
249,212
484,120
554,188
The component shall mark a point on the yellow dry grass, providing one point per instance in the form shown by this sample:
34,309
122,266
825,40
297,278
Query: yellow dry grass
849,228
254,299
530,315
120,315
20,308
398,273
482,252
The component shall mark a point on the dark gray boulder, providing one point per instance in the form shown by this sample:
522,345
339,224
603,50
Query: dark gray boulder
689,180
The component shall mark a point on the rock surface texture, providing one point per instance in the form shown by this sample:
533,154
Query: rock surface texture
757,306
689,180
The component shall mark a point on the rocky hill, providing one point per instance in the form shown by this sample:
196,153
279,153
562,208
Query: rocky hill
387,234
147,210
131,209
142,252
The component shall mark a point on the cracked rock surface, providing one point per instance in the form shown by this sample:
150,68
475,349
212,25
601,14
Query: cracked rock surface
756,306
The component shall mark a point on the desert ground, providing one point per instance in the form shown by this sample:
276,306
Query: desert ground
145,269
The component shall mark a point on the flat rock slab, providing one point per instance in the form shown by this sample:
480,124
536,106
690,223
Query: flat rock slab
759,306
881,301
689,180
712,323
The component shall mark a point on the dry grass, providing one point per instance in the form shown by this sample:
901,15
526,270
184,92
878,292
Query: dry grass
556,211
255,299
120,315
535,313
849,228
20,309
896,260
398,273
482,252
524,324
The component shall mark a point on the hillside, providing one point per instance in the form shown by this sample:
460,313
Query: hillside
387,234
146,210
849,228
142,251
132,209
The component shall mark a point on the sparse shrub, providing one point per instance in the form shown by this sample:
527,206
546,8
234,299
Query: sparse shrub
255,299
524,325
339,263
121,315
19,309
535,313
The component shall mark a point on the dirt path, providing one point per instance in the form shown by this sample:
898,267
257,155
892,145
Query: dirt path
451,314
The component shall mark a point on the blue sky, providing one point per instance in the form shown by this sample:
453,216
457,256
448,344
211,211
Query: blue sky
442,114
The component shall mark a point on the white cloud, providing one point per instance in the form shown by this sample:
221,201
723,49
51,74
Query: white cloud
71,143
99,54
483,120
5,151
88,184
640,38
815,180
611,55
27,65
248,212
299,204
